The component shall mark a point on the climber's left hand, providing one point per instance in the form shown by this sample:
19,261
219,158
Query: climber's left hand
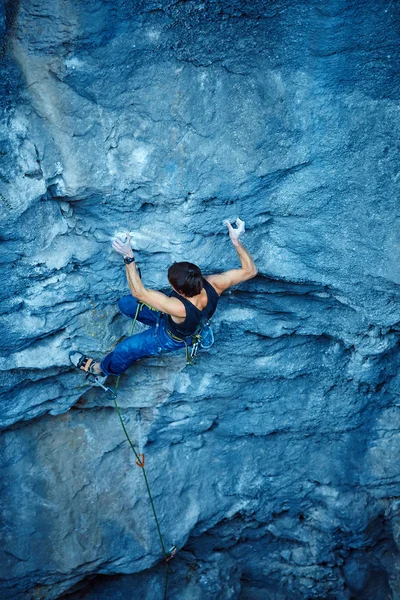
235,233
121,247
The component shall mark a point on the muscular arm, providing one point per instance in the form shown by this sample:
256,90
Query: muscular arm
248,270
157,300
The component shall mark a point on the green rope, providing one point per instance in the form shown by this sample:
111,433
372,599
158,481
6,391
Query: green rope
165,554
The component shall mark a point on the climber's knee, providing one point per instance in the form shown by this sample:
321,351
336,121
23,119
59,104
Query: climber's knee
128,305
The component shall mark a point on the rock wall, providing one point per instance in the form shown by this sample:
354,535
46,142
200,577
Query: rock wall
273,462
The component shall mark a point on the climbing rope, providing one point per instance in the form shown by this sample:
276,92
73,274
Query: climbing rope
140,462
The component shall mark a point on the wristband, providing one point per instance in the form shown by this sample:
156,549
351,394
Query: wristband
128,260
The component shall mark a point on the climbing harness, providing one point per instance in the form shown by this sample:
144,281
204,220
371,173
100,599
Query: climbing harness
196,342
191,355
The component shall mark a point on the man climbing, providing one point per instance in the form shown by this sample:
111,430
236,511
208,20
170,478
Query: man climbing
173,319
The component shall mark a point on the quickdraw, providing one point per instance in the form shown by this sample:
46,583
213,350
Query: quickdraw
171,553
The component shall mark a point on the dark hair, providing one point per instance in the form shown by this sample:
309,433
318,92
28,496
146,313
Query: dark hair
186,278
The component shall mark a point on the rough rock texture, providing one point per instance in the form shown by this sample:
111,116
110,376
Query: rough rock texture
274,463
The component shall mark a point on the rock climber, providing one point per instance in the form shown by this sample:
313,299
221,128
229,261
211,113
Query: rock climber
173,319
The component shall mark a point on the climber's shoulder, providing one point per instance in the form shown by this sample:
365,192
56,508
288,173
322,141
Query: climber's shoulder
223,281
213,281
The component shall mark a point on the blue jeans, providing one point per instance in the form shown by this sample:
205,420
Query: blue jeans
151,342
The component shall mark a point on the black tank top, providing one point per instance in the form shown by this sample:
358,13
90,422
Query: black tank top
195,318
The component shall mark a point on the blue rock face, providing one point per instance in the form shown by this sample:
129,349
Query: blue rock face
274,462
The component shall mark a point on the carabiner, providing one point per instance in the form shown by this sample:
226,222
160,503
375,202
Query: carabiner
171,553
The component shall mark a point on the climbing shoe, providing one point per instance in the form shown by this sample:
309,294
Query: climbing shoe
84,363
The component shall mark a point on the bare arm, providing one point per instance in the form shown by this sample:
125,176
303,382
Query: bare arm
248,270
157,300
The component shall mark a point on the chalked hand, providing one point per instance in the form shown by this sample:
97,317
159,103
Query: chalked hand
122,244
235,233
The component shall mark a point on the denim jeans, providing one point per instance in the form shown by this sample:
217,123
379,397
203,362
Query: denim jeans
151,342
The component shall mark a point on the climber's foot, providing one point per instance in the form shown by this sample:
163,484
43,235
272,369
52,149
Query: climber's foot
88,365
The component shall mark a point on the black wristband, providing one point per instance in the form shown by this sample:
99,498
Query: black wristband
128,260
